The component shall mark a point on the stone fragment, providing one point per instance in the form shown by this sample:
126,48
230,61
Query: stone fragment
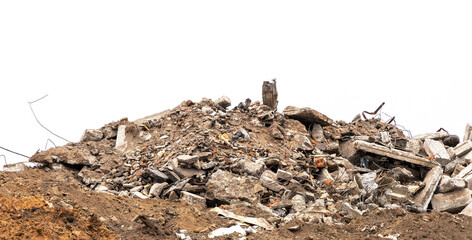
269,180
227,186
449,184
109,133
434,136
187,159
188,172
468,132
466,171
284,175
414,146
157,188
261,222
139,195
126,136
431,181
304,142
15,167
317,133
398,193
89,177
156,175
452,202
437,150
251,168
92,135
401,174
298,203
191,198
351,212
368,181
467,210
136,189
101,188
451,140
463,148
307,116
65,155
223,101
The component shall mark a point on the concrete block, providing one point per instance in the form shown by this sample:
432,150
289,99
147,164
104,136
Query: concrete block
284,175
468,132
252,168
414,146
434,136
431,181
467,210
466,171
304,142
307,116
223,101
157,188
187,159
92,135
191,198
452,202
269,180
437,149
463,148
449,184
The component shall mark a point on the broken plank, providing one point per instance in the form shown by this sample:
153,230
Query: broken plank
465,171
431,181
394,153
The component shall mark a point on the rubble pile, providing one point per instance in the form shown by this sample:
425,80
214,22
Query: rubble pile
266,168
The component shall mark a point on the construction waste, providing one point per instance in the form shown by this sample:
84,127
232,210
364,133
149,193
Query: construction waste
265,169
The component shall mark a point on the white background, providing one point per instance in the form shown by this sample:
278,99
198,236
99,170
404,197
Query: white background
100,61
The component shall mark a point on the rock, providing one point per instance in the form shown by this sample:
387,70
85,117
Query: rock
467,210
468,132
401,174
109,133
298,203
65,155
449,184
451,140
187,159
307,116
223,101
14,167
269,180
156,175
157,188
136,189
317,133
284,175
437,149
92,135
414,146
226,186
101,188
431,181
368,181
126,136
251,168
452,202
139,195
463,148
191,198
89,177
304,143
351,212
188,172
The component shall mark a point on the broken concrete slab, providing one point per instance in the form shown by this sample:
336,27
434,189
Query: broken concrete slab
466,171
88,176
307,116
223,102
463,148
393,153
452,202
92,135
434,136
125,137
317,133
226,186
261,222
187,159
269,180
304,142
252,168
431,181
448,184
155,117
467,210
401,174
188,172
468,132
157,188
414,146
348,150
191,198
64,155
437,150
284,175
351,212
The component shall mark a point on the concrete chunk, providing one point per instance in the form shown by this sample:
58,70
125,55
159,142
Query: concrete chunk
393,153
307,116
125,137
157,188
284,175
251,168
92,135
437,149
463,148
191,198
187,159
227,186
468,132
466,171
303,142
269,180
431,182
434,136
449,184
452,202
467,210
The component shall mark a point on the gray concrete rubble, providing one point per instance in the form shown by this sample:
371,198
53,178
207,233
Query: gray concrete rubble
251,160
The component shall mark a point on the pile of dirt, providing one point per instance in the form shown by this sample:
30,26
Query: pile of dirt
201,169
